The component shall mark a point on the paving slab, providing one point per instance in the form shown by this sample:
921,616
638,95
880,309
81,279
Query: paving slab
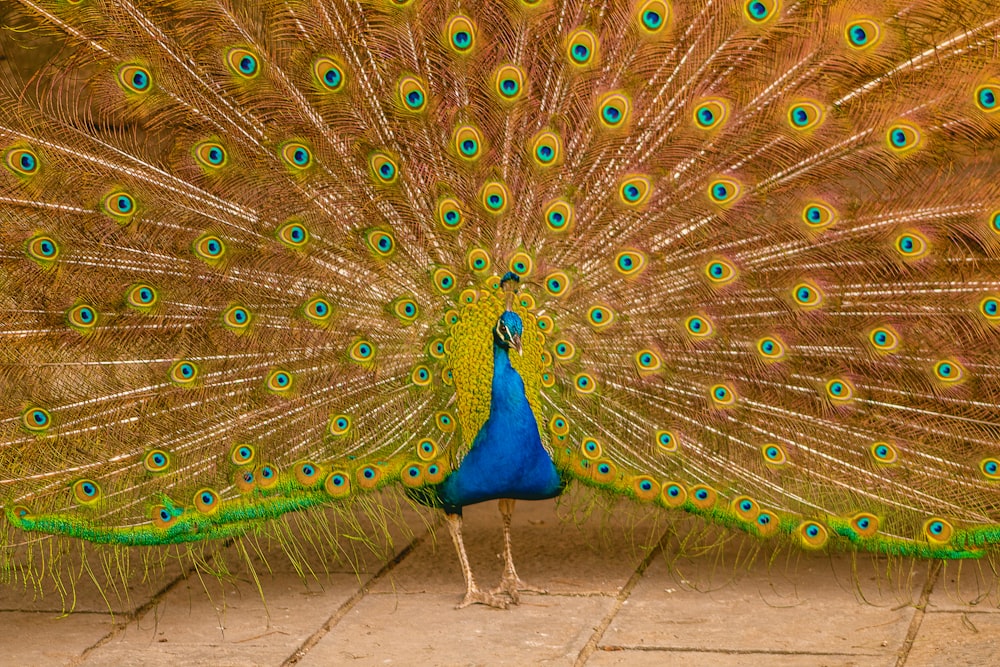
716,659
957,639
41,638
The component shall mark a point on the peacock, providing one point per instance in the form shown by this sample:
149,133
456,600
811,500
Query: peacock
734,258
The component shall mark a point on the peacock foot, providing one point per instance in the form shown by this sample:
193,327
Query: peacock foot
475,595
512,586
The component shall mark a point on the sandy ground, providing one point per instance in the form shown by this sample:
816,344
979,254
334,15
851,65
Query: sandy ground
621,591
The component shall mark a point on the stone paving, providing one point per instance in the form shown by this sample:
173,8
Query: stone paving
621,591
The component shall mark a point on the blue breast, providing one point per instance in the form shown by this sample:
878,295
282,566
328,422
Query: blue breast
506,459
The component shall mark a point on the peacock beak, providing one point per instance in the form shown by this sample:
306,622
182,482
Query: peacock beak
515,342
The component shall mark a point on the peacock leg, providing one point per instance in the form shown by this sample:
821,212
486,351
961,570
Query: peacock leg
473,594
510,583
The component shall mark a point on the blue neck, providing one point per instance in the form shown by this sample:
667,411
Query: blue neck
507,397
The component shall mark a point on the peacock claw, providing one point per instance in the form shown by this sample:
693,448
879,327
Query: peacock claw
479,596
513,586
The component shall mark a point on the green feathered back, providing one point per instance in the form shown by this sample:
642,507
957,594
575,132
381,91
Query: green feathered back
244,244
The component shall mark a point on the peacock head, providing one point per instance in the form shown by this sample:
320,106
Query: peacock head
507,333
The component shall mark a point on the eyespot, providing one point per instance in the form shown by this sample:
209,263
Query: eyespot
884,339
82,317
369,476
508,82
722,395
771,348
818,215
812,535
317,310
329,74
381,243
449,213
339,425
600,317
494,197
245,480
135,79
120,206
527,301
990,467
183,373
558,215
581,47
703,497
406,309
427,449
242,454
293,234
436,348
673,494
645,488
902,138
546,149
995,222
774,454
557,283
711,113
211,155
142,297
584,383
243,63
986,97
279,382
209,248
337,484
839,390
445,421
362,351
384,168
745,508
990,308
723,191
421,376
653,15
760,11
699,326
468,142
938,531
558,425
544,323
206,501
807,296
862,34
267,475
564,350
804,115
647,361
36,420
461,34
451,319
591,448
43,249
865,524
666,442
86,491
911,244
604,471
883,453
720,272
412,475
161,517
630,263
468,296
766,524
479,260
296,155
307,473
21,161
613,110
521,264
634,191
949,371
444,280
